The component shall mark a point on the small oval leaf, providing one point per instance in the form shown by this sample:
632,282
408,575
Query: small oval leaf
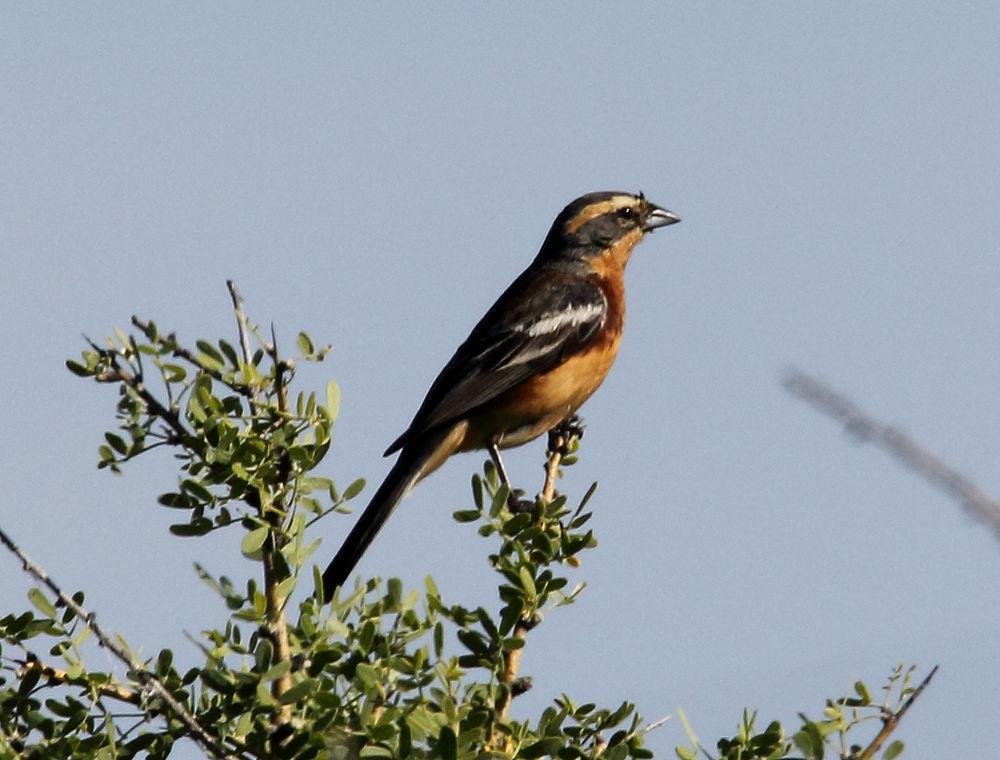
253,541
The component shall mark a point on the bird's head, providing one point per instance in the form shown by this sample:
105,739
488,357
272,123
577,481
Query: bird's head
604,223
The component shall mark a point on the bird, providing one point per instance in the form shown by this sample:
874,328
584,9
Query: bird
536,355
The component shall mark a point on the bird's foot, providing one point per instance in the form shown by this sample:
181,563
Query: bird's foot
561,436
518,505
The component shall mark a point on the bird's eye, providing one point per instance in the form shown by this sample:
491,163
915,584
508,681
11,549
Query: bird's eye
627,213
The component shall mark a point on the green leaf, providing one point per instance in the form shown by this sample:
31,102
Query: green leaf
197,490
354,489
487,623
547,746
305,344
862,691
163,662
216,680
375,750
893,750
134,747
509,645
211,352
230,353
285,588
117,443
617,752
509,615
367,675
810,740
473,641
78,369
198,527
685,753
332,400
466,515
302,689
273,674
423,722
173,373
500,500
253,541
690,734
28,681
394,594
477,491
448,744
516,524
175,500
431,586
84,634
41,602
527,582
438,639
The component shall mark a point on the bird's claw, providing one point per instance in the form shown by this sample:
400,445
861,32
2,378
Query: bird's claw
520,506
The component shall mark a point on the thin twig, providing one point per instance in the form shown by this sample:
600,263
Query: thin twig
912,455
891,721
169,343
118,374
656,724
132,455
241,320
210,743
552,465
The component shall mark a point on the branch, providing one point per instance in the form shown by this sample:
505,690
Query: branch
277,622
890,721
241,320
117,374
55,675
558,448
655,724
911,454
212,744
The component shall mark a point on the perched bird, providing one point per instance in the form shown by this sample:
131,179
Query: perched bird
541,350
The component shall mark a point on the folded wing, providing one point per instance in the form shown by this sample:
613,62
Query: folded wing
530,329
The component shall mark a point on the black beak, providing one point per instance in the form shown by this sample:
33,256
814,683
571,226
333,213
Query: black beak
659,217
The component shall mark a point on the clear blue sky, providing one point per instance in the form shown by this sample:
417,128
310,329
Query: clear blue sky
377,176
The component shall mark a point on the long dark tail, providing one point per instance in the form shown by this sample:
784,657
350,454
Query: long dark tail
409,468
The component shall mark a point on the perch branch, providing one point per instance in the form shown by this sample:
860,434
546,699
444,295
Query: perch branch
559,439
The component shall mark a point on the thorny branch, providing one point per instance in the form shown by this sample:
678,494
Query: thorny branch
241,320
891,719
212,744
863,426
272,513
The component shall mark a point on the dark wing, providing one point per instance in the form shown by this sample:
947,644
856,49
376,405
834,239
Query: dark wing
532,326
